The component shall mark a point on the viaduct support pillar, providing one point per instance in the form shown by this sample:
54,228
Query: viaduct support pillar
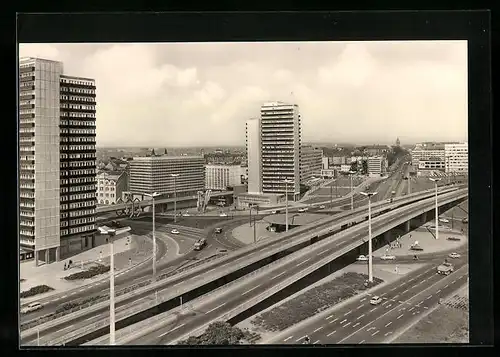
36,257
407,226
423,217
47,256
58,254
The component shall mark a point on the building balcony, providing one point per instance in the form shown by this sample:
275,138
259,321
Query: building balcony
26,194
27,223
27,242
27,213
26,205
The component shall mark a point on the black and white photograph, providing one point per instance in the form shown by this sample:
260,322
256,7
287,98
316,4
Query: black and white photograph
243,193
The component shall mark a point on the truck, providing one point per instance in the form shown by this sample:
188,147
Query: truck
200,244
445,268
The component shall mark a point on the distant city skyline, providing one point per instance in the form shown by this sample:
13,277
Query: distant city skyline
201,94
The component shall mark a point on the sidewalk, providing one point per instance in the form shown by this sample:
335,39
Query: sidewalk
244,233
53,274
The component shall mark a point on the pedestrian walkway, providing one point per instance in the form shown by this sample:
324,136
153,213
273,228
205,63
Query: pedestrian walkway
245,232
129,252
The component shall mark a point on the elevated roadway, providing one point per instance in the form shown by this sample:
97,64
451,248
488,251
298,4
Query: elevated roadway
248,292
204,280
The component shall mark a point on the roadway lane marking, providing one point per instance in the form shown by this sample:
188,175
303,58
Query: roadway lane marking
90,318
305,261
428,297
331,322
331,333
347,324
400,316
175,328
64,296
360,317
348,312
371,328
360,306
405,291
388,333
300,338
373,309
316,342
319,328
286,339
437,292
211,270
323,251
329,317
447,285
209,245
425,307
215,308
344,320
388,306
255,287
276,276
356,324
339,243
362,342
373,334
410,309
388,324
385,302
363,299
401,302
395,296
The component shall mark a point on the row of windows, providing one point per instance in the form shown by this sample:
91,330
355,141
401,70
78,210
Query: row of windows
26,84
77,188
77,180
77,106
77,139
27,102
77,81
77,114
79,196
26,111
77,147
90,203
110,188
77,90
74,222
78,172
77,98
78,163
77,131
112,195
78,123
78,156
77,230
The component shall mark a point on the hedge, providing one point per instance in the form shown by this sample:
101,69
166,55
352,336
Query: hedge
218,333
40,289
87,274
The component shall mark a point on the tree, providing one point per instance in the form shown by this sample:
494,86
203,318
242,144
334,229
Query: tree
354,166
217,333
364,169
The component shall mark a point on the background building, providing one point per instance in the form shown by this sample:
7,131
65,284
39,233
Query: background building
376,165
310,163
110,187
281,141
219,177
456,158
325,163
254,156
153,174
57,160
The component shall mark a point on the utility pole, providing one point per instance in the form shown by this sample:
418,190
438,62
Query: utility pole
331,195
370,252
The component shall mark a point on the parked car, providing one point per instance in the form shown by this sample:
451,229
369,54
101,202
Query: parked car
322,207
444,220
454,255
388,257
223,214
174,231
375,300
273,212
453,238
362,258
34,306
304,209
465,220
185,214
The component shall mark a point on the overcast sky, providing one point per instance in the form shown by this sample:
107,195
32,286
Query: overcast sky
200,94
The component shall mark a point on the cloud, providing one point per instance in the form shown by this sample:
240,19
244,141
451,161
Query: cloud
201,94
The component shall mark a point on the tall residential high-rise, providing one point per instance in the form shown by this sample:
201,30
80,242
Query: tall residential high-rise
57,160
253,147
310,162
154,174
456,158
281,144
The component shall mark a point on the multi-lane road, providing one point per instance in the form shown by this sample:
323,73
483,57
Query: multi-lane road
251,287
403,302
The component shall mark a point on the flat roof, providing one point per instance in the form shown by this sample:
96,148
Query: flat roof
296,219
166,157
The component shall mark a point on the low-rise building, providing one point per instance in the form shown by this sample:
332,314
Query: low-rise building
329,173
376,166
110,187
219,177
325,161
456,158
345,168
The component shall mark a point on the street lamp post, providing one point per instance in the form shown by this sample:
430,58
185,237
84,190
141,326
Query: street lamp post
175,196
286,202
436,180
111,233
153,195
254,228
370,253
352,194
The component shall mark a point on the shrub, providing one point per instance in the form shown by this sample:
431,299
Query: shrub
217,333
87,274
40,289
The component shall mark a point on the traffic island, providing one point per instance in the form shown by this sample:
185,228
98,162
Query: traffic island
36,290
221,333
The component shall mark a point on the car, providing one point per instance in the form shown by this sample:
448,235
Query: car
273,212
218,230
388,257
322,207
185,214
362,258
174,231
444,220
304,209
453,238
375,300
34,306
454,255
223,214
465,220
